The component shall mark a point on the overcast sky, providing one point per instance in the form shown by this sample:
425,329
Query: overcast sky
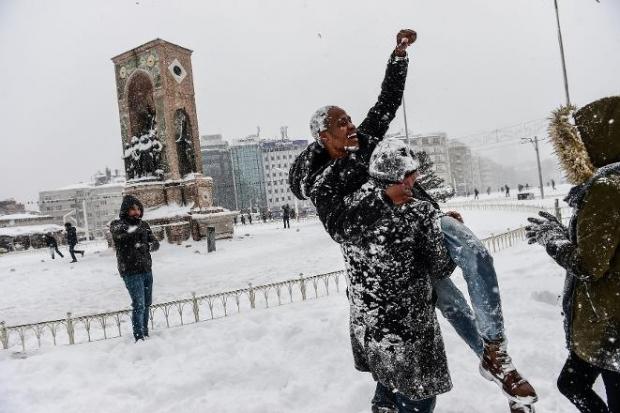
477,65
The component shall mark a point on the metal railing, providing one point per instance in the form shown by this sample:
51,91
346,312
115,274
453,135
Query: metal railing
102,326
564,211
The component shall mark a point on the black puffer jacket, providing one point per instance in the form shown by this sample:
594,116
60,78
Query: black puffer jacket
71,235
133,240
394,332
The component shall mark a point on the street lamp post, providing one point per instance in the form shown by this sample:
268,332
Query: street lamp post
557,18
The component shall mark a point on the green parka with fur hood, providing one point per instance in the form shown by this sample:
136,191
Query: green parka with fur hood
588,144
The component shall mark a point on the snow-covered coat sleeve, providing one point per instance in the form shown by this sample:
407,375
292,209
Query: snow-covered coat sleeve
346,216
384,110
597,237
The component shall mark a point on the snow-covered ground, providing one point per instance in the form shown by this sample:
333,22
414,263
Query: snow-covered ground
291,358
37,288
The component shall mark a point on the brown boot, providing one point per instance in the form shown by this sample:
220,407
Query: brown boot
521,408
496,365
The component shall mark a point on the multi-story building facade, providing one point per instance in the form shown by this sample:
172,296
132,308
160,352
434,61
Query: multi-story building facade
436,146
248,175
461,167
278,155
217,163
91,206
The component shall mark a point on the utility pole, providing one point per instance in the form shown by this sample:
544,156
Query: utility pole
540,180
557,18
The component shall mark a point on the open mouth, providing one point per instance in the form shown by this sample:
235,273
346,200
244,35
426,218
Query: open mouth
352,136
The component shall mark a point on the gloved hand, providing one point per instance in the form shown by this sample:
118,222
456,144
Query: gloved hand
545,230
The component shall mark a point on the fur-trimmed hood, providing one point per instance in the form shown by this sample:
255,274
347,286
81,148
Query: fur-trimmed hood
586,139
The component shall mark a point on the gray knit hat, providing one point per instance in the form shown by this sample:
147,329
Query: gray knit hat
392,160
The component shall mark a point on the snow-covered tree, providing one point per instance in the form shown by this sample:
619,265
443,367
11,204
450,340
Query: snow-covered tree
432,183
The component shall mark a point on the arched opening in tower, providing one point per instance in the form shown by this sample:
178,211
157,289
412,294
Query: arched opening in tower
141,105
184,144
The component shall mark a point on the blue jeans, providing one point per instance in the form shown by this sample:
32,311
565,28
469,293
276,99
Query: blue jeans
140,287
396,402
485,321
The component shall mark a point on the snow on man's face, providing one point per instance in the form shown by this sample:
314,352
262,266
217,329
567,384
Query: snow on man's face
340,136
134,212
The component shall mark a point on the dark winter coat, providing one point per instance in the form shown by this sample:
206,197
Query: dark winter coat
394,332
50,241
286,212
591,255
133,240
71,235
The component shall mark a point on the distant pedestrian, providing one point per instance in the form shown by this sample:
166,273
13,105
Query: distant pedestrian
519,188
286,215
134,241
476,192
250,218
507,190
235,220
270,214
242,219
488,190
72,240
52,244
527,187
553,184
263,216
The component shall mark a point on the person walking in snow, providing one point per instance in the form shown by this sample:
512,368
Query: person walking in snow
286,215
250,218
134,241
553,184
335,166
72,241
507,191
476,193
242,219
52,244
587,142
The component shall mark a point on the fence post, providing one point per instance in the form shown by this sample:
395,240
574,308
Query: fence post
70,331
252,296
195,307
302,286
4,337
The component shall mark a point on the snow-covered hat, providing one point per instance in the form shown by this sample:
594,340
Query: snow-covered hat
392,160
318,122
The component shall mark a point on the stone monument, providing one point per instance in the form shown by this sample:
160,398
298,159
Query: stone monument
160,141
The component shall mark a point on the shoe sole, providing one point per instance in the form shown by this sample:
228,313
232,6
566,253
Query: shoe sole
523,400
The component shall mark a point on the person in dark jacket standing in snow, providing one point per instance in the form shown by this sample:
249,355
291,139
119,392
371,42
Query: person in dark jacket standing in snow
72,241
52,244
134,241
286,216
334,167
587,142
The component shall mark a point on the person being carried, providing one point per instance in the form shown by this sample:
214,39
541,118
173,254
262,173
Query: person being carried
335,166
133,242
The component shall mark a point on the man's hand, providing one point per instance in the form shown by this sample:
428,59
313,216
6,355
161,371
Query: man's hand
404,39
399,194
456,216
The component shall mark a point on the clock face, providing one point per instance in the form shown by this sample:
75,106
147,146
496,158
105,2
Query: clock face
177,71
123,72
150,61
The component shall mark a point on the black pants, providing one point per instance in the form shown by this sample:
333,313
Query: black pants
72,251
576,381
286,223
55,248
